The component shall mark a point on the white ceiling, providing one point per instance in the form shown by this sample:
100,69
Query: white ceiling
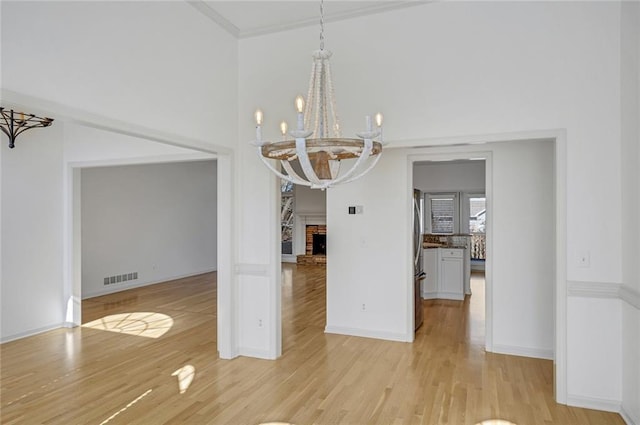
253,18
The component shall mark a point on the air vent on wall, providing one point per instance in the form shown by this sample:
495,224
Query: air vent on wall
120,278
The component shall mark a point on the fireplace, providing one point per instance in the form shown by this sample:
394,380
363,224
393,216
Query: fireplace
315,245
319,246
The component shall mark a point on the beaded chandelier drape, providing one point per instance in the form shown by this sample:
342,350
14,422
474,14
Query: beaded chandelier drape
316,144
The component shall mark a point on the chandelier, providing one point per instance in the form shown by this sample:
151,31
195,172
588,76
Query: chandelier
316,144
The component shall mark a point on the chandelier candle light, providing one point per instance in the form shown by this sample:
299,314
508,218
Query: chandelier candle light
320,156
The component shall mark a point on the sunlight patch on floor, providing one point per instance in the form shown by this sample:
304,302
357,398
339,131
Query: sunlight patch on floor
147,324
143,395
185,376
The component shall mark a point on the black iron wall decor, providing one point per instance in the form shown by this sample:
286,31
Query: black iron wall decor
14,123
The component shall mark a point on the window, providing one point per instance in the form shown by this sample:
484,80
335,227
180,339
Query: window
477,226
286,216
477,214
442,212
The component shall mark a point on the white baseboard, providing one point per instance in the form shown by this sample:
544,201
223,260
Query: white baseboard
368,333
628,417
442,295
255,353
512,350
286,258
31,332
126,286
594,403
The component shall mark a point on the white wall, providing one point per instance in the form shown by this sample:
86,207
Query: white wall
450,177
594,335
522,284
310,201
367,253
32,208
467,68
445,71
630,166
630,355
140,71
159,65
88,146
157,220
523,255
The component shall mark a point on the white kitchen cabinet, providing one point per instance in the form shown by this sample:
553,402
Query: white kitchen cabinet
445,269
451,274
430,283
467,270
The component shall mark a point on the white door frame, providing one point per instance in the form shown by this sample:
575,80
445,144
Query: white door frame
487,156
72,260
471,147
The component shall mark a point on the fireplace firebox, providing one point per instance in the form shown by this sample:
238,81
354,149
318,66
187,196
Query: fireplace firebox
319,244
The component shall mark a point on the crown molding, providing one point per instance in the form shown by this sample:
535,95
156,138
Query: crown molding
210,13
239,33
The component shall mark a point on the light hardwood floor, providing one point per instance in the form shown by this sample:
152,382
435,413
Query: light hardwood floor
91,376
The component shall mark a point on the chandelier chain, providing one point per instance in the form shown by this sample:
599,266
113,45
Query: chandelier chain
321,24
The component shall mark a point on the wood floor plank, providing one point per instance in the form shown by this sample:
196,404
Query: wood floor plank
88,375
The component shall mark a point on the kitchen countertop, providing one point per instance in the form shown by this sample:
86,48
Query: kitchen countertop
457,240
428,245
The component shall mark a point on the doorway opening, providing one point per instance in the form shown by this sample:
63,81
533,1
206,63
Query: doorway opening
453,219
99,144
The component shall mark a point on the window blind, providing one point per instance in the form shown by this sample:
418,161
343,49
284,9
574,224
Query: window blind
442,214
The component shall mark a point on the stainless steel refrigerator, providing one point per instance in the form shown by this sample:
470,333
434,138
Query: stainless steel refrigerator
418,264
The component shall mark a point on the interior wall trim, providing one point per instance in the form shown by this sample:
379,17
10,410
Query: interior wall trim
32,332
258,30
630,295
369,333
604,290
68,114
593,289
513,350
594,403
252,269
628,418
256,353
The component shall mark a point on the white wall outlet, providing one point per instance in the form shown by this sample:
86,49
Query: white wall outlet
364,307
259,323
359,209
584,259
